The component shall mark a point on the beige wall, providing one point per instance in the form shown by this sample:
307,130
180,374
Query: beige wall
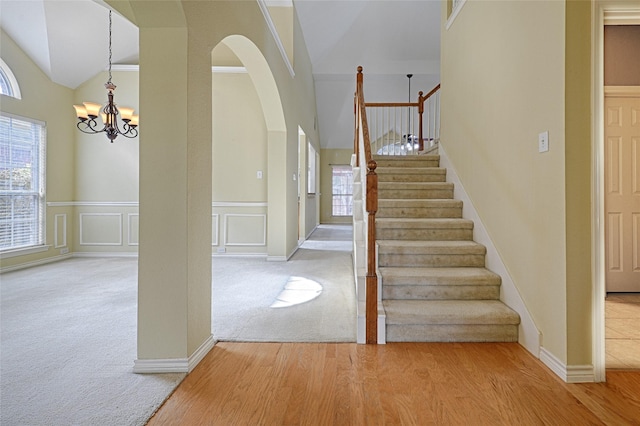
239,153
174,264
239,140
51,103
502,85
329,157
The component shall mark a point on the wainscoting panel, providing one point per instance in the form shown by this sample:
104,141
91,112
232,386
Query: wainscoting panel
133,228
239,228
60,230
101,229
215,231
245,229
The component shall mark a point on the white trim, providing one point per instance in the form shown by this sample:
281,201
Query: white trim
622,91
174,365
257,243
454,13
55,230
240,255
602,13
228,70
123,67
13,82
267,17
621,16
108,254
568,373
598,356
83,243
215,242
35,263
129,233
233,204
23,251
528,334
278,258
92,204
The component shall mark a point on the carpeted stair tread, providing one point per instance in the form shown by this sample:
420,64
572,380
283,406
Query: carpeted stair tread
417,203
450,312
430,247
411,174
418,190
412,223
420,208
415,185
399,276
378,157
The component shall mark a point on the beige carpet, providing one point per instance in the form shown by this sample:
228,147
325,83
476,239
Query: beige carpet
68,329
310,298
68,341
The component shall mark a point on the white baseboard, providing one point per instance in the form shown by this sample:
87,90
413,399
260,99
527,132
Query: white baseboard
36,263
528,334
105,254
568,373
174,365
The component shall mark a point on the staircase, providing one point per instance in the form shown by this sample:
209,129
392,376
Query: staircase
435,287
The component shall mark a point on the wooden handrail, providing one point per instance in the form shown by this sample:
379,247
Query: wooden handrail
371,282
419,105
361,129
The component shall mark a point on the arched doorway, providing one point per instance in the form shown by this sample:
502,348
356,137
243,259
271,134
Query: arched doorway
249,153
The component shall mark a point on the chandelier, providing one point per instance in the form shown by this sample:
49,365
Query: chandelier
88,112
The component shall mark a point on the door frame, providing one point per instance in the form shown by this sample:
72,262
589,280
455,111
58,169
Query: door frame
610,13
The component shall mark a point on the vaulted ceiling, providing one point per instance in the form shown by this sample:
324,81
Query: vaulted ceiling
68,40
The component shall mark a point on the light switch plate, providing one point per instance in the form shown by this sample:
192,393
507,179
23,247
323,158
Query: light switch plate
543,142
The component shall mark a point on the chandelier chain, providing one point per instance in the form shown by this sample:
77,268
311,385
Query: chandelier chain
109,47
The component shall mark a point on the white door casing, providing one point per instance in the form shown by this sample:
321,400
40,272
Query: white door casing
622,190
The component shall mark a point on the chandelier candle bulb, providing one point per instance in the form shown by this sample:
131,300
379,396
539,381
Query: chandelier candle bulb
126,113
93,109
81,112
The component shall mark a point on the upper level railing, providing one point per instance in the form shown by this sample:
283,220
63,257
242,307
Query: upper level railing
394,127
405,128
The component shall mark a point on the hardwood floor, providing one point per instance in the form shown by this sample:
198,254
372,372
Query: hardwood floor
622,332
399,383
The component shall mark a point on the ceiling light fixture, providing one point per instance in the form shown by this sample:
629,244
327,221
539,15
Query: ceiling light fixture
88,112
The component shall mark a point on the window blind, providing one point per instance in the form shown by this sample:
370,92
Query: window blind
22,186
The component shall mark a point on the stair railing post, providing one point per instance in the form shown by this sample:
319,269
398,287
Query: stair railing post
420,112
356,133
371,281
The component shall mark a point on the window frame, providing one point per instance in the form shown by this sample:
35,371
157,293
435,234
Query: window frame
349,206
38,212
10,80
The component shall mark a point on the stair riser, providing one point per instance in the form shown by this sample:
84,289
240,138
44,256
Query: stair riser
419,212
423,194
425,292
431,260
424,234
452,333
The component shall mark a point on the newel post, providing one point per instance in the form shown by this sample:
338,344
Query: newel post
372,278
421,100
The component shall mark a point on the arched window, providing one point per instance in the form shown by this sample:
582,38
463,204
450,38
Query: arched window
8,83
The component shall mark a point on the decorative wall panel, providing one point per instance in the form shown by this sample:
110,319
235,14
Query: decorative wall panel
101,229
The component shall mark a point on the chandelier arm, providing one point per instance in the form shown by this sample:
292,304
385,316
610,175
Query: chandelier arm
89,127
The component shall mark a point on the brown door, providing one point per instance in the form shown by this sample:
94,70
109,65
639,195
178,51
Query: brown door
622,193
